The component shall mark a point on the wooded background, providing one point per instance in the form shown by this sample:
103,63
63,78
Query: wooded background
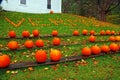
104,10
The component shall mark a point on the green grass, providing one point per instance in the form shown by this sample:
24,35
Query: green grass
106,69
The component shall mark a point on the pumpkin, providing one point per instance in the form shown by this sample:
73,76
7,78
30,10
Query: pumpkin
56,41
29,44
39,43
95,50
51,12
105,48
41,56
92,32
119,33
119,46
25,34
4,61
114,47
86,51
102,32
12,34
112,38
55,55
35,33
113,32
84,32
13,45
92,38
117,38
54,33
76,33
108,32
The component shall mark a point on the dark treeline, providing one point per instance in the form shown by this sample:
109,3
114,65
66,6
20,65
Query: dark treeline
103,10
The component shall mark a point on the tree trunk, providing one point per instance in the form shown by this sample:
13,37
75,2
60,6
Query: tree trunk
102,16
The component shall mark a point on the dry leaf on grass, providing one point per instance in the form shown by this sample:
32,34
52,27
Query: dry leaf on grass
30,68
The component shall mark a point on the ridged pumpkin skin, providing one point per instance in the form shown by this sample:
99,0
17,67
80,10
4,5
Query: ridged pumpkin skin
86,51
29,44
95,50
113,32
92,38
105,48
4,61
117,38
56,41
108,32
54,33
114,47
85,32
92,32
12,34
13,45
102,32
39,43
75,33
112,38
41,56
55,55
35,33
25,34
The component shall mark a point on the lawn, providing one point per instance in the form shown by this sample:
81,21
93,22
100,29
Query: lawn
99,68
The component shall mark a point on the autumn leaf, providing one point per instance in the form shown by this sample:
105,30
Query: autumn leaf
54,68
30,68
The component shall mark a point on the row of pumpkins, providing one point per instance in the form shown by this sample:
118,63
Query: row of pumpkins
36,33
13,45
56,55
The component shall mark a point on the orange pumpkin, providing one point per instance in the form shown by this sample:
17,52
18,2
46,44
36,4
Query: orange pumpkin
105,48
54,33
95,50
55,55
25,34
112,38
41,56
92,32
12,34
39,43
92,38
4,61
117,38
114,47
86,51
119,46
119,33
84,32
56,41
51,12
35,33
108,32
13,45
29,44
113,32
102,32
76,33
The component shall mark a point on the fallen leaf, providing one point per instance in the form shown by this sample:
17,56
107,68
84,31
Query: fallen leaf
54,68
45,68
30,68
8,71
95,62
83,63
